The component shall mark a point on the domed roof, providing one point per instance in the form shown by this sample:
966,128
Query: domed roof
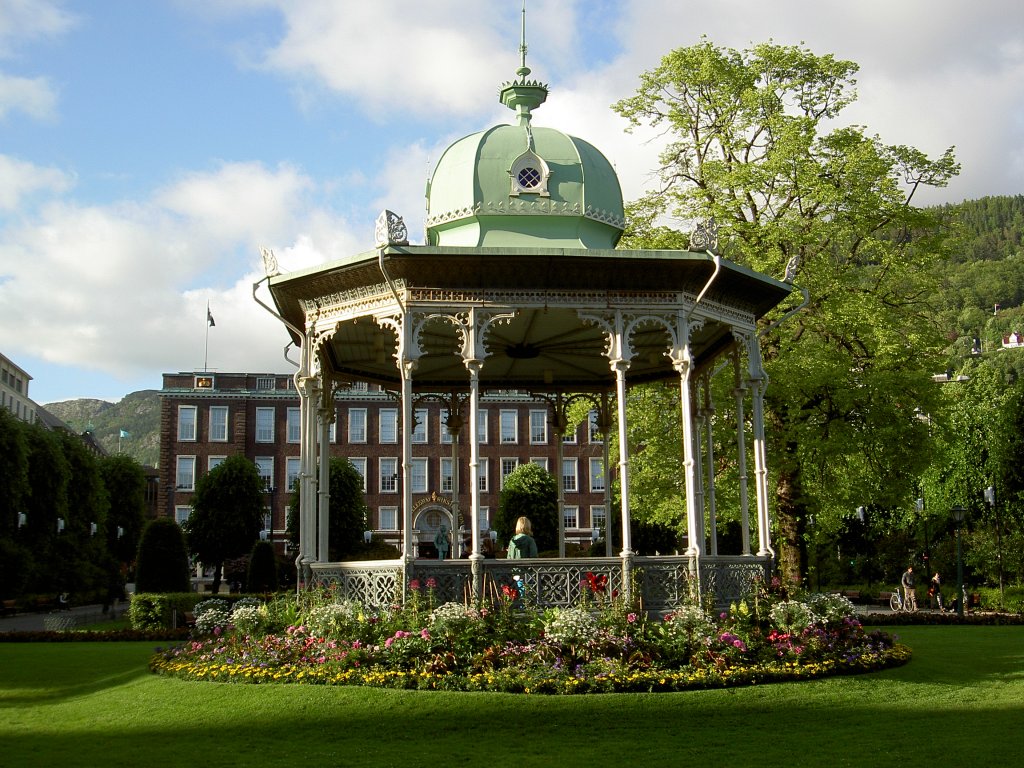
517,185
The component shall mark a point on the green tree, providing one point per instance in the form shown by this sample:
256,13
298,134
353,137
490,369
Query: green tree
227,513
755,143
530,491
348,512
14,481
162,559
125,481
80,548
49,476
262,573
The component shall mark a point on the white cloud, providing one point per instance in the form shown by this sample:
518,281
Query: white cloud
23,21
19,179
33,96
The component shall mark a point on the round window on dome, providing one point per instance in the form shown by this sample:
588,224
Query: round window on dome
529,178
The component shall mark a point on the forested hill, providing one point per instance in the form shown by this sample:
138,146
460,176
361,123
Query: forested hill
995,227
137,413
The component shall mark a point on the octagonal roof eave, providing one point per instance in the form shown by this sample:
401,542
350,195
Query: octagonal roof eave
530,268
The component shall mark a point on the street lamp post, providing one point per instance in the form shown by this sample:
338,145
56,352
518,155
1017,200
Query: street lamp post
958,513
990,497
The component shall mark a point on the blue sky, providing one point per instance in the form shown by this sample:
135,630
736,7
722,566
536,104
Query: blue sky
148,149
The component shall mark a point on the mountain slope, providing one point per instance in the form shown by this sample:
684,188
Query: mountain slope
138,414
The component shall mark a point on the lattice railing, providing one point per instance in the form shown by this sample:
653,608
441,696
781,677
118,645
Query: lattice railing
661,583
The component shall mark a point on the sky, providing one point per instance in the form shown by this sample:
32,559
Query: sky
148,150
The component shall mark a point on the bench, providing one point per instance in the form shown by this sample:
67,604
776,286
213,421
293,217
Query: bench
10,608
43,603
852,595
884,598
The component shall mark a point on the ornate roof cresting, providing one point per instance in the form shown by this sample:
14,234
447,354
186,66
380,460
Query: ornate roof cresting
704,236
390,229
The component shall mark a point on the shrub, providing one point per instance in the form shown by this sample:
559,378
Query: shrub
262,574
162,562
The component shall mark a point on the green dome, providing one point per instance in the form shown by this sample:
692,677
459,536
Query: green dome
497,188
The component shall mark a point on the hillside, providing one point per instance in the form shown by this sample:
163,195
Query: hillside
138,413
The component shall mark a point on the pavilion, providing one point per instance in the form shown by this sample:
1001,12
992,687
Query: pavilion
520,287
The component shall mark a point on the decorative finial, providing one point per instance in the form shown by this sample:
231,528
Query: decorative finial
270,268
523,95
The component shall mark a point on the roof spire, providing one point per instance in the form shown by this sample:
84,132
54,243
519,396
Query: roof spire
523,96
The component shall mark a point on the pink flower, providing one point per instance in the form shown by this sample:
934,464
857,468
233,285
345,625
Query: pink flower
431,583
631,618
425,633
414,584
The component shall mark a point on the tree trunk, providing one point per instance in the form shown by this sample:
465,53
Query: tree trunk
789,516
218,569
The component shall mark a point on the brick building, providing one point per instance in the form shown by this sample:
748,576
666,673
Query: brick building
206,417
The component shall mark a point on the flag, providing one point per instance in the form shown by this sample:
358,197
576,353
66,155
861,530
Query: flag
209,317
125,433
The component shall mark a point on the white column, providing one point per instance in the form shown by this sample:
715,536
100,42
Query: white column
740,392
324,483
605,426
473,366
709,487
620,367
758,382
558,423
406,367
681,360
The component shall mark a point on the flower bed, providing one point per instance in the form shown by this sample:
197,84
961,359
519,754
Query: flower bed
601,645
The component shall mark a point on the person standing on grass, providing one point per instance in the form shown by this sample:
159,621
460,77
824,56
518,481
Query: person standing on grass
909,594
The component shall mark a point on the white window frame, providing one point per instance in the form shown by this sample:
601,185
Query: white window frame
419,433
540,461
387,426
418,474
182,513
598,517
185,468
265,434
187,423
482,474
481,425
387,518
538,427
357,425
442,426
571,517
507,436
359,462
508,462
265,467
596,475
212,462
294,428
570,475
387,472
447,474
569,438
292,470
217,427
593,433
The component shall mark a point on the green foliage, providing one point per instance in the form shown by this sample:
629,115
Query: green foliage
162,562
756,143
157,610
227,513
262,575
14,477
348,513
125,481
529,491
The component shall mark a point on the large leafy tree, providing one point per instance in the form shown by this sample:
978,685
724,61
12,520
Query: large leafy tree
755,141
529,491
125,481
348,513
227,514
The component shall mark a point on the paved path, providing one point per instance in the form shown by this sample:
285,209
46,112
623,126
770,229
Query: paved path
77,616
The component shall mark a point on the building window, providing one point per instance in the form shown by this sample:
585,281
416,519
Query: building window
447,476
481,476
388,518
485,518
218,423
569,482
186,473
419,432
570,436
508,465
418,475
540,461
292,469
357,425
264,425
265,467
294,425
481,425
388,425
212,462
508,426
538,427
360,465
592,429
389,475
187,423
332,431
596,475
571,515
264,382
598,518
446,436
182,514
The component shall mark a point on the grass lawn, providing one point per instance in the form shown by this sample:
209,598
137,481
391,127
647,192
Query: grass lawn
959,702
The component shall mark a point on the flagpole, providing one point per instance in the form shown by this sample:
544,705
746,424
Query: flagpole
206,353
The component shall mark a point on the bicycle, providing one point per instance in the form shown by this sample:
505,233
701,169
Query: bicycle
898,604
